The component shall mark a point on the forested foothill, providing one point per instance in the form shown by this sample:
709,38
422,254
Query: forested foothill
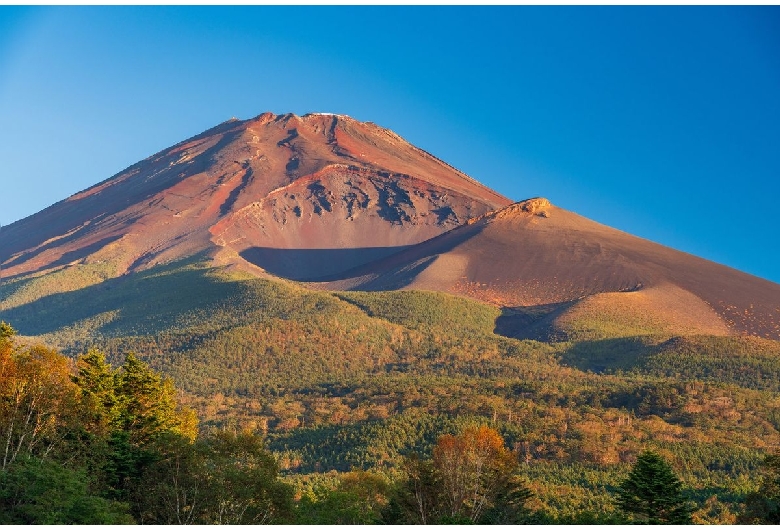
185,394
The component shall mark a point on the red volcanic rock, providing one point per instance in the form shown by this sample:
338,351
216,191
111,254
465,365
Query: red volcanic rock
260,190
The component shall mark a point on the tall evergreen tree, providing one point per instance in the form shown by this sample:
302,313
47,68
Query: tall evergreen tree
652,493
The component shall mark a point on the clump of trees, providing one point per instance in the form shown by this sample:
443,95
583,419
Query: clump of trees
93,444
359,497
223,478
763,506
44,471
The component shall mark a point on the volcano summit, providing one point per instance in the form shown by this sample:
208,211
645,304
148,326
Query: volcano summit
265,189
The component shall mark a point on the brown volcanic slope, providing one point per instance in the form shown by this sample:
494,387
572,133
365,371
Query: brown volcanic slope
534,255
327,197
273,189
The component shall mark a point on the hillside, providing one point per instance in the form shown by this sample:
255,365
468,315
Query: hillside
322,283
348,205
538,260
359,379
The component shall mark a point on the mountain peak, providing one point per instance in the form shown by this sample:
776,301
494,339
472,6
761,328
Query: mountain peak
323,196
275,182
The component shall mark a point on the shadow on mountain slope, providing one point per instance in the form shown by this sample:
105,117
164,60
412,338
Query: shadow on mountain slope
531,322
316,264
145,302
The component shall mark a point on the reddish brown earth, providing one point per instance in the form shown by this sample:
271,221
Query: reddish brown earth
533,254
272,190
354,206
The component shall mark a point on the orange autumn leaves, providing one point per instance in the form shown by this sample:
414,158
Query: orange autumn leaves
476,472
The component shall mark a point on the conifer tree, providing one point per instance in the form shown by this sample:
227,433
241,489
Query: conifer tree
652,493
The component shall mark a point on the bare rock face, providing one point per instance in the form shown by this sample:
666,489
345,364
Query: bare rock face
280,192
538,206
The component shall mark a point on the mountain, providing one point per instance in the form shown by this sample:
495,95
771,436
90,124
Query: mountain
321,282
262,191
574,271
347,205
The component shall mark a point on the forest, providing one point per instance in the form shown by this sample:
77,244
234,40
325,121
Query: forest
141,399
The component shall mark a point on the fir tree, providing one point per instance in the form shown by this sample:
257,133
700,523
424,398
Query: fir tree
652,493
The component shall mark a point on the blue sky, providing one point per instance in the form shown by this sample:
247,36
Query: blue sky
660,121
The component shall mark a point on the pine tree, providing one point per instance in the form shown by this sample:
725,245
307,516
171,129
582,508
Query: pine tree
652,493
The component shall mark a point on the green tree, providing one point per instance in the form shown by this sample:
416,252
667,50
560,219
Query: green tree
126,412
358,498
763,506
36,491
416,499
97,381
652,493
224,478
148,405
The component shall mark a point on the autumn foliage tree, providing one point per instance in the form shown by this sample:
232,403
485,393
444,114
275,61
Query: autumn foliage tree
475,469
41,423
472,477
37,399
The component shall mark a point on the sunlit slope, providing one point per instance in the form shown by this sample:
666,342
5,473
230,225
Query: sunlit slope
345,380
191,319
533,254
254,193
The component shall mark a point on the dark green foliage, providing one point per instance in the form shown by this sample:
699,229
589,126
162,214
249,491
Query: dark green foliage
510,503
763,506
36,491
125,411
224,478
418,498
652,493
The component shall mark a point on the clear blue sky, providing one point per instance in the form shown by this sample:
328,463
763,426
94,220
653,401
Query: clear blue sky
662,121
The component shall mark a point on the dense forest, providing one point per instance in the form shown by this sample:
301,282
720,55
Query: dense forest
188,394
